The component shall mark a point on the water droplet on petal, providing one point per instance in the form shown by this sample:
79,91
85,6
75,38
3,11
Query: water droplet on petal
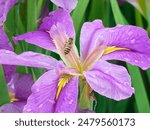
8,52
41,105
37,90
51,101
130,33
71,101
28,110
133,41
126,59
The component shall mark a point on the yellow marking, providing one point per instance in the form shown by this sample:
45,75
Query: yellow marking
113,48
12,97
62,82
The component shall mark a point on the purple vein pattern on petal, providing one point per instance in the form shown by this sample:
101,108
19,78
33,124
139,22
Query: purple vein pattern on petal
5,6
134,38
135,58
15,107
21,85
89,37
110,80
67,101
43,94
66,4
28,59
39,38
59,16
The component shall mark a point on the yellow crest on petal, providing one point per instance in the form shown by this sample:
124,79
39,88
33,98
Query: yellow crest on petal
12,97
62,82
113,48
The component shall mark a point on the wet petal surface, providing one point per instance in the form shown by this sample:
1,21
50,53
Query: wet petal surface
110,80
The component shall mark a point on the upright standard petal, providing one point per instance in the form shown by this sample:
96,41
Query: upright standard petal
59,16
42,37
110,80
38,38
20,85
89,37
66,4
68,98
43,94
28,59
5,6
134,42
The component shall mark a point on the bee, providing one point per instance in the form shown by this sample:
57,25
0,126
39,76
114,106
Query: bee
68,46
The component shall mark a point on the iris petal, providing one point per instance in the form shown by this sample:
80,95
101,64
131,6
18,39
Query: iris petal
110,80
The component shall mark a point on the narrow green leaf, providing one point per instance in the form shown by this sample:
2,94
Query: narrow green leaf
4,96
119,18
31,15
97,10
140,92
79,13
138,19
142,5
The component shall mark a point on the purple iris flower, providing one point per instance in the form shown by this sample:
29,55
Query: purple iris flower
57,89
19,89
5,6
68,5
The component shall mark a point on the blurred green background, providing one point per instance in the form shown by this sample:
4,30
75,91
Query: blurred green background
26,16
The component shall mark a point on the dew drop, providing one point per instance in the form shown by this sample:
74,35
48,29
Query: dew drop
28,110
37,90
40,105
130,33
8,52
133,41
71,101
51,101
126,59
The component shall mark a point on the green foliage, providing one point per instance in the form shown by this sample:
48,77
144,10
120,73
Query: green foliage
24,17
4,97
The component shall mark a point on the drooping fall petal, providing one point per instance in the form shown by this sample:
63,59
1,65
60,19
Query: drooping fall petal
133,40
39,38
67,101
110,80
43,94
31,59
